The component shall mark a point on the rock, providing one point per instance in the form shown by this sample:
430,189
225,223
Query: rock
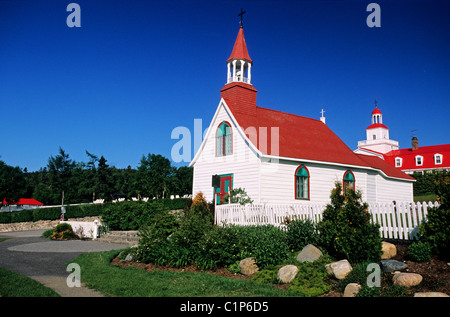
129,257
392,265
309,253
389,250
339,269
351,289
430,294
287,273
248,266
407,279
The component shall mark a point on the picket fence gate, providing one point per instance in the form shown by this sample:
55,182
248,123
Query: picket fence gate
397,220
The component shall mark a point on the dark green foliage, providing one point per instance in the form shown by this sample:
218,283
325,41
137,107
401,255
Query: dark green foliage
436,231
301,233
267,244
310,279
346,230
420,251
130,215
12,183
83,182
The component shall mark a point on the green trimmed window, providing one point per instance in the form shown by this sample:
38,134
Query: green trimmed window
224,145
349,181
301,183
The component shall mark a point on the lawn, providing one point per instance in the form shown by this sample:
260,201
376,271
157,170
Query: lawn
99,274
16,285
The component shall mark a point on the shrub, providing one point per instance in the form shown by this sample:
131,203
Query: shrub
420,251
346,230
219,247
436,231
310,279
265,276
267,244
200,205
63,231
130,215
301,233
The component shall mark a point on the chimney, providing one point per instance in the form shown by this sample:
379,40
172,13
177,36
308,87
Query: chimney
414,143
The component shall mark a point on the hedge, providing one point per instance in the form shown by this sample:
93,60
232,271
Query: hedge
80,211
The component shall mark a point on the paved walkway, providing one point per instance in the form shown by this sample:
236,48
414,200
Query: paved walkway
44,260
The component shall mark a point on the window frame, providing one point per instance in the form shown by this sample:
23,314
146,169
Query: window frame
440,156
416,160
400,159
308,184
344,187
223,140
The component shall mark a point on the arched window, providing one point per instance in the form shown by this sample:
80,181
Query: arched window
224,145
301,183
349,181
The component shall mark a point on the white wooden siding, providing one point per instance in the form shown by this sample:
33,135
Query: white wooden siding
243,163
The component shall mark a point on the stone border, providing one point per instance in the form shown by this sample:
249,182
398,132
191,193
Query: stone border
40,224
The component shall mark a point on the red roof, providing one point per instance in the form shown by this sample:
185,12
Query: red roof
376,111
240,48
26,201
306,138
377,125
428,159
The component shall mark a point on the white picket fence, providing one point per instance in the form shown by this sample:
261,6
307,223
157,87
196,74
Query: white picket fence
397,220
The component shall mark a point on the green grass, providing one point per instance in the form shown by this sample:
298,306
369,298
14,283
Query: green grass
99,274
16,285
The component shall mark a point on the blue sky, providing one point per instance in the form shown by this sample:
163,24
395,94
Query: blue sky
135,70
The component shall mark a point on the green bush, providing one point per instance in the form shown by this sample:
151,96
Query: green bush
265,276
301,233
346,230
436,231
130,215
267,244
22,216
310,280
219,247
420,251
63,231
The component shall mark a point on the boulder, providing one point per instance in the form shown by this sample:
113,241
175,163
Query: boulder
351,289
287,273
309,253
393,265
407,279
339,269
248,266
389,250
430,294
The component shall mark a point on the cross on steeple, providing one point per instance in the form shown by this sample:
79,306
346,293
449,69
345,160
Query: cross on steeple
241,23
376,102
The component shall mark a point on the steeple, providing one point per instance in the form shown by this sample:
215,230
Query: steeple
238,92
377,135
239,63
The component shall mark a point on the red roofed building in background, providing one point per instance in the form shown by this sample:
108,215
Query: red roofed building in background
20,204
408,160
279,157
25,202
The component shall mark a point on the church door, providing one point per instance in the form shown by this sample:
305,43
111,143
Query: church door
226,184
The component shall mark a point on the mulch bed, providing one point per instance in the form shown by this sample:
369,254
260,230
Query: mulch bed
435,273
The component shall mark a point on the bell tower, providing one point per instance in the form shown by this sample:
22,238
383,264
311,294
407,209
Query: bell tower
377,135
238,92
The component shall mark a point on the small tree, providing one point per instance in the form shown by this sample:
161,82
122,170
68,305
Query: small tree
346,230
238,196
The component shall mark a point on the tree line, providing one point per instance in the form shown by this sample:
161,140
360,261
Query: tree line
82,182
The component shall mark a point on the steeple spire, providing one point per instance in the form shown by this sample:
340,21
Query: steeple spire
238,92
239,63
